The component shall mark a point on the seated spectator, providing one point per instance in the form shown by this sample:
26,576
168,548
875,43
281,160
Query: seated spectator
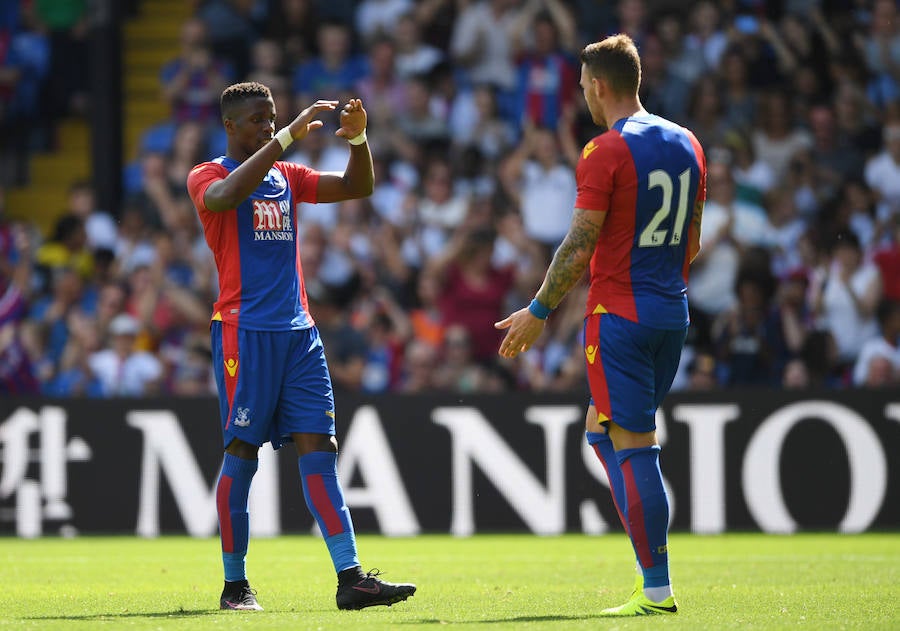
473,291
378,18
193,81
845,295
24,63
878,363
233,27
68,248
99,226
121,369
882,173
546,71
292,25
537,178
333,73
887,258
413,57
17,375
748,343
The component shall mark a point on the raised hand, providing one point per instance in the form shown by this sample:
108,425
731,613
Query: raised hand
306,120
353,120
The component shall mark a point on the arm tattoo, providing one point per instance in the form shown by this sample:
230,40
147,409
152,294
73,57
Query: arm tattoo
572,257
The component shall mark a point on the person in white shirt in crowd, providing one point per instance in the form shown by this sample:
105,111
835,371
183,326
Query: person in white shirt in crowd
120,369
482,42
845,294
882,174
878,363
542,185
730,226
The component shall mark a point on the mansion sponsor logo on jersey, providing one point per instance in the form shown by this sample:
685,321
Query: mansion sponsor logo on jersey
272,220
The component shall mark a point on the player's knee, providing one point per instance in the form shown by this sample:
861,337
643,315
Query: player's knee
591,424
626,439
241,449
308,443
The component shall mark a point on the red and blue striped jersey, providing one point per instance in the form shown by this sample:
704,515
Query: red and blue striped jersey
256,246
647,174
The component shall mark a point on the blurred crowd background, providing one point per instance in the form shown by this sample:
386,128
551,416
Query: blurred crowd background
476,121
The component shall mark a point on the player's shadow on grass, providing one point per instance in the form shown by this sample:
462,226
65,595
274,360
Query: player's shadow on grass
178,613
505,620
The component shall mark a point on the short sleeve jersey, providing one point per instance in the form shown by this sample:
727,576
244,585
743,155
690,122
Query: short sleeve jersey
256,246
647,174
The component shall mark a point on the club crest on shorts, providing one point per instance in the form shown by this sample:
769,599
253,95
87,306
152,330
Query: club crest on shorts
242,417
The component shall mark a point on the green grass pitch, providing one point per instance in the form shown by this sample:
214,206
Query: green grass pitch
486,582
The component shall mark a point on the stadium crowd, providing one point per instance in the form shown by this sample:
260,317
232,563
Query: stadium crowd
476,124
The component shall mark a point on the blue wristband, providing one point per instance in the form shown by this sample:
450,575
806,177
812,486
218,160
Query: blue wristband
538,310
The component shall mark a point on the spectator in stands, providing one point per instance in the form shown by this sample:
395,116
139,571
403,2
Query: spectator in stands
334,71
880,50
457,370
292,24
777,137
878,363
16,369
542,185
347,347
233,27
121,369
730,226
546,69
267,64
882,173
67,28
414,57
472,291
887,258
99,225
748,343
482,46
193,81
382,90
379,18
24,63
67,248
845,293
739,100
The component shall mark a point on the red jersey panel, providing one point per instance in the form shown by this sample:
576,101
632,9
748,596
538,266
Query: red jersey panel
646,173
256,246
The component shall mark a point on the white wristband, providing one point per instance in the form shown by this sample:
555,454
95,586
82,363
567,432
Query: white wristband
358,140
284,137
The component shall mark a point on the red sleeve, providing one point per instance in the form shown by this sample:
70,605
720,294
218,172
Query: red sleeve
701,161
199,179
595,173
304,182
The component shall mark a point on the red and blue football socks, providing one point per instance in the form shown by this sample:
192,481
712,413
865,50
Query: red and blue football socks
647,513
606,454
325,499
232,495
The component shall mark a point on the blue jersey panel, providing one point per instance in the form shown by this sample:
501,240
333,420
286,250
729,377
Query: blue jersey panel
668,177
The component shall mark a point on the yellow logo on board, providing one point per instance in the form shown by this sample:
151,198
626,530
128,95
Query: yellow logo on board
231,365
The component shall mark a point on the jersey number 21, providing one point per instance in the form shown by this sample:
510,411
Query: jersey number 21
651,236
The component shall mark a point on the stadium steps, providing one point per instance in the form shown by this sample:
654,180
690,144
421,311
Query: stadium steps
51,173
149,40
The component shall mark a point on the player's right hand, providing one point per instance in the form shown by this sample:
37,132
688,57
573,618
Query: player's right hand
306,120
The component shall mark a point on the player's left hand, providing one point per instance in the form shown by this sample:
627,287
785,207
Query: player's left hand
523,330
353,119
306,120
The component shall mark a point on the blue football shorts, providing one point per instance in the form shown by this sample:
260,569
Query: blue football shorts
630,368
271,384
